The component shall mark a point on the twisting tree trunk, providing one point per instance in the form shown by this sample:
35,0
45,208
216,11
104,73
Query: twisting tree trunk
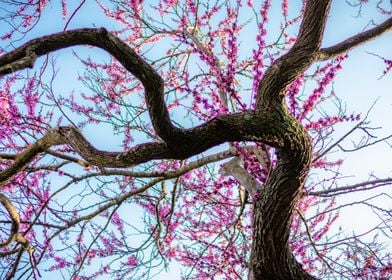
271,257
272,215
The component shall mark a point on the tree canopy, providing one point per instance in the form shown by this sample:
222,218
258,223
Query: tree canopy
199,132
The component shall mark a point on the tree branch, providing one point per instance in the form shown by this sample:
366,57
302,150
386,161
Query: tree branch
346,189
354,41
25,157
24,57
286,69
233,168
14,219
171,174
246,126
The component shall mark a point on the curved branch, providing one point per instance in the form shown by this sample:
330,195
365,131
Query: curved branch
246,126
15,220
25,157
286,69
354,41
25,56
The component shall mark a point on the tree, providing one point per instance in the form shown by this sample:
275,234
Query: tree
67,205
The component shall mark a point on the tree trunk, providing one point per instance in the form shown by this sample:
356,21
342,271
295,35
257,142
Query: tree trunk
271,257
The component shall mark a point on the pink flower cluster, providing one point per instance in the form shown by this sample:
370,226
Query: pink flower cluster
328,73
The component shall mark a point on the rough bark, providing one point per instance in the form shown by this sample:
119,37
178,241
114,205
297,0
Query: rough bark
272,215
271,257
